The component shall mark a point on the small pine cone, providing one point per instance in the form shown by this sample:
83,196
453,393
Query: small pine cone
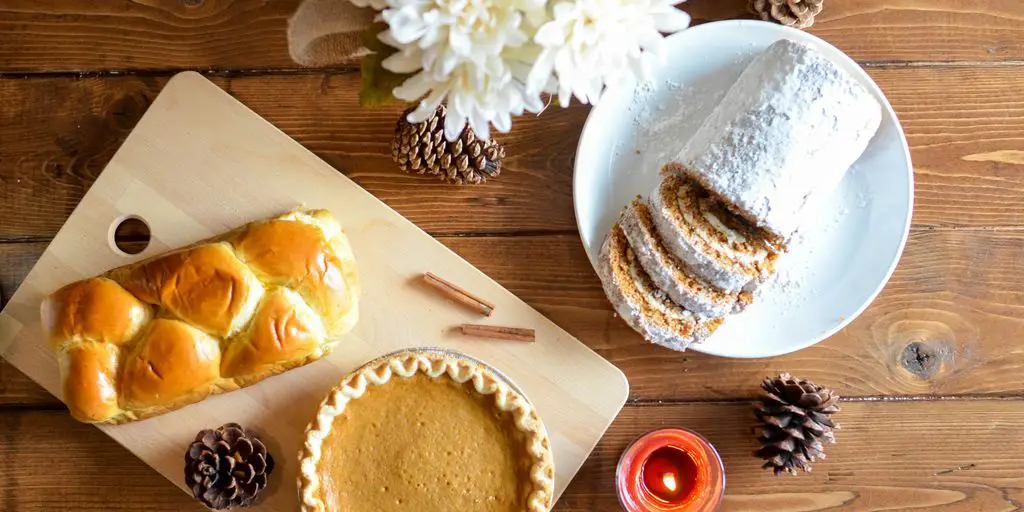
792,13
227,468
421,148
795,423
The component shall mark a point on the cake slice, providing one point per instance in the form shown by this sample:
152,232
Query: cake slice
641,304
719,247
782,137
670,274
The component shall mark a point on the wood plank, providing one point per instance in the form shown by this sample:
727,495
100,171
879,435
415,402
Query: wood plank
966,126
65,35
40,35
884,459
924,30
60,133
88,472
946,324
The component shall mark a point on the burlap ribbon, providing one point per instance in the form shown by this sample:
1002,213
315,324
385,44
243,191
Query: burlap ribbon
326,32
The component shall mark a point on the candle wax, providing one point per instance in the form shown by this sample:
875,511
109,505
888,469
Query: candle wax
670,469
670,474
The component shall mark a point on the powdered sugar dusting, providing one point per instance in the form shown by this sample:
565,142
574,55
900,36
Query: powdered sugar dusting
810,248
667,114
786,131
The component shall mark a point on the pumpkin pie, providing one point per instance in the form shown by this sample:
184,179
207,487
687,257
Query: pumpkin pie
426,431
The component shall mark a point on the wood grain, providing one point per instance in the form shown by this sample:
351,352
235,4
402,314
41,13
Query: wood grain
38,35
887,457
60,132
65,35
964,129
966,126
924,30
948,323
52,462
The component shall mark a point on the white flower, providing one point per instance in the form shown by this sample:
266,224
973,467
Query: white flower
591,44
374,4
466,52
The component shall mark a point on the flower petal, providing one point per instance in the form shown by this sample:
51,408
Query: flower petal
551,33
564,96
413,88
454,123
503,122
480,125
388,39
405,24
403,63
460,42
671,21
427,107
541,71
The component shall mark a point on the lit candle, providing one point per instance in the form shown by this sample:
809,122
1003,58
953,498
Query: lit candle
669,474
670,470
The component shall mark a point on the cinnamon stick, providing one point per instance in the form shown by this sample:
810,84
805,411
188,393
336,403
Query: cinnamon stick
458,294
500,333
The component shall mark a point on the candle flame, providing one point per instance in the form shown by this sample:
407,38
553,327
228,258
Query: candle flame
669,480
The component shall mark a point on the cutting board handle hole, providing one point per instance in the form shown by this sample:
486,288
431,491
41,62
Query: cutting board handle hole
129,235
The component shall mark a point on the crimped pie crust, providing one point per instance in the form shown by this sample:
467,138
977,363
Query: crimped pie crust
436,366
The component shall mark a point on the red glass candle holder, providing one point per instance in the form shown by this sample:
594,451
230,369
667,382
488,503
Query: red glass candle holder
671,469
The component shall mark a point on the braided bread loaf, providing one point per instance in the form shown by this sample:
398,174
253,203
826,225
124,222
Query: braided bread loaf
156,335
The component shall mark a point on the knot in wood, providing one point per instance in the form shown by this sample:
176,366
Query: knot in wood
922,359
193,3
126,111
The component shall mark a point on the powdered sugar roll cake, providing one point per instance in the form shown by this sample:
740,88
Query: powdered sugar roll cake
670,274
700,231
641,304
782,136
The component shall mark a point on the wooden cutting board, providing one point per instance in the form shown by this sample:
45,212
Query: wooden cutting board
200,163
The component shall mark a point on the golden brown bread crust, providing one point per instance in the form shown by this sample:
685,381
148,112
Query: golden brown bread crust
171,361
206,286
90,379
283,328
96,309
169,331
290,254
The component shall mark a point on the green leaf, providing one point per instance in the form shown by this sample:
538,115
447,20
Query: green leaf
377,81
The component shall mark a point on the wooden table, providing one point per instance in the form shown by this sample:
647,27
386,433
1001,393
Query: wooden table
931,375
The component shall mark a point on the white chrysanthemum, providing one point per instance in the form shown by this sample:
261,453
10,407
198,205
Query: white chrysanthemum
465,51
373,4
591,44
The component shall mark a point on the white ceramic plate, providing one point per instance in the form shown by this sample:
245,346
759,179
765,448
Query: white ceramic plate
844,253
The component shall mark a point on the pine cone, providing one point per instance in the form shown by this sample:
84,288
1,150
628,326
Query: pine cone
226,468
796,421
793,13
421,148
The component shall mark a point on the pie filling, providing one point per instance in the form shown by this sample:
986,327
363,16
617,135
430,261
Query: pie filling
423,445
